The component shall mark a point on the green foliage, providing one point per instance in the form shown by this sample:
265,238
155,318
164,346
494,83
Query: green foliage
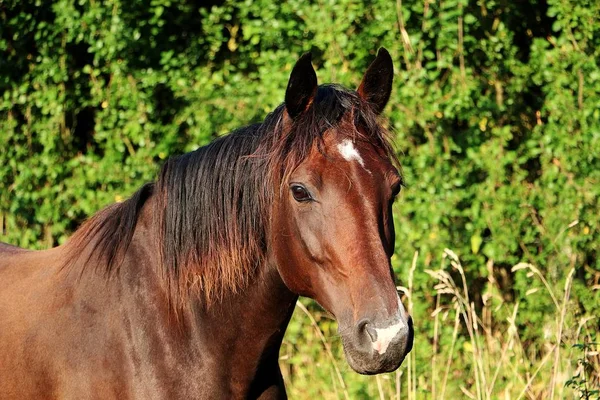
496,112
580,382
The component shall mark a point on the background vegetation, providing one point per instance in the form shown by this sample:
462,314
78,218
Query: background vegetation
496,110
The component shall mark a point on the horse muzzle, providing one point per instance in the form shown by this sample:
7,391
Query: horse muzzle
374,348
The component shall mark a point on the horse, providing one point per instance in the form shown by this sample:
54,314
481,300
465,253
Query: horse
185,289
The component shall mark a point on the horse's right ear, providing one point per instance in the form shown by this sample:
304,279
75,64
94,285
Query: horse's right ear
301,88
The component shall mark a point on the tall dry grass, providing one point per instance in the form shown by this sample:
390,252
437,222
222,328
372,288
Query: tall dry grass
467,352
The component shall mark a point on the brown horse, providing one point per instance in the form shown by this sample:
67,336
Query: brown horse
185,290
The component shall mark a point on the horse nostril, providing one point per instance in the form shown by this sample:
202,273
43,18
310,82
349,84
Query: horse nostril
365,326
371,332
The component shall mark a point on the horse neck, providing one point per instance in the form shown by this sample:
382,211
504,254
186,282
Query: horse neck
243,330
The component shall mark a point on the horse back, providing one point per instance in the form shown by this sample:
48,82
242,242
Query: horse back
61,332
6,248
26,295
11,256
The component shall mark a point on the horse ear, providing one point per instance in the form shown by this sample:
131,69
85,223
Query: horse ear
376,85
302,87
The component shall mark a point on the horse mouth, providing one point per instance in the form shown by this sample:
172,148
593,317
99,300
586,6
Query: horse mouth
367,360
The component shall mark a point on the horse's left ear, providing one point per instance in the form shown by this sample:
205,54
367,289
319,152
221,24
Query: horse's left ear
302,87
376,85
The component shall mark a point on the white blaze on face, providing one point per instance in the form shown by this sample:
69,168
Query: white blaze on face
385,336
349,152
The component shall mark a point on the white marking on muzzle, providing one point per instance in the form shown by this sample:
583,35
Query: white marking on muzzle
349,152
385,336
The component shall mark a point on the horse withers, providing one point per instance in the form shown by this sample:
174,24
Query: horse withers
185,289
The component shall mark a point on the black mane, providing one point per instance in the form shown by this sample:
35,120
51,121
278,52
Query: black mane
213,203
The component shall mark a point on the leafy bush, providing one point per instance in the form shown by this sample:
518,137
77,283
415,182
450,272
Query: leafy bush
496,111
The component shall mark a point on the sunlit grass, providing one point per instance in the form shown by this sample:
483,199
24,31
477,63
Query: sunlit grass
470,352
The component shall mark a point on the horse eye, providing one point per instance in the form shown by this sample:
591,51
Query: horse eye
396,190
300,193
